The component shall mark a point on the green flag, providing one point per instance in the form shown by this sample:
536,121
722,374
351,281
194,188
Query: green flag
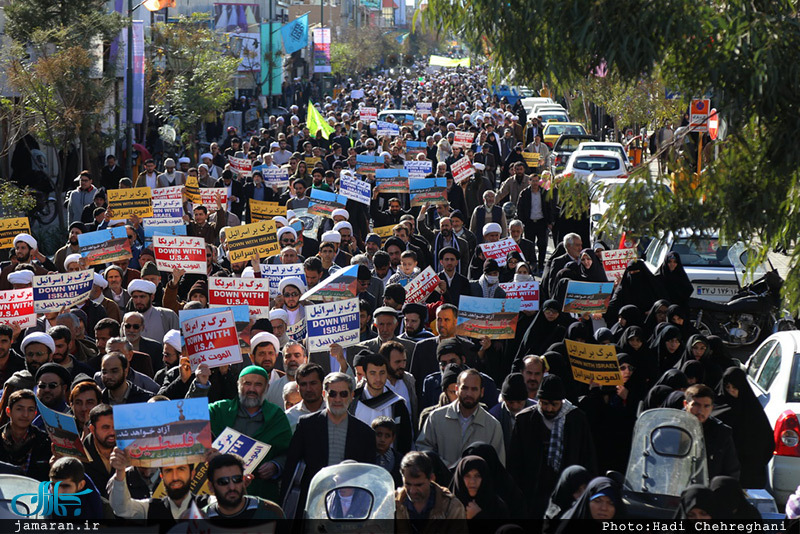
315,121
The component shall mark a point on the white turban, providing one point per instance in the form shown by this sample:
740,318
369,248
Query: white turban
205,155
26,238
281,219
72,258
479,166
280,314
286,230
342,225
248,272
264,337
99,281
292,281
142,285
22,277
488,228
39,337
290,214
173,339
184,160
332,236
342,212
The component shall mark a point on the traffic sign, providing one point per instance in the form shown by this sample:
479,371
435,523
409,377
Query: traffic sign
698,115
713,124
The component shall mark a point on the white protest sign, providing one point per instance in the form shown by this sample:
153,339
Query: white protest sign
212,339
180,252
241,166
368,114
332,322
463,139
418,169
275,273
355,189
500,249
253,292
462,170
616,261
418,289
527,292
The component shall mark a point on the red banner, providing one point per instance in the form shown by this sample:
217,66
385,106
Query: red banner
235,291
500,249
616,261
418,289
181,252
212,339
16,307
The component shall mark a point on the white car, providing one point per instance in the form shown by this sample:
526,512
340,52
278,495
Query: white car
705,260
554,116
602,192
600,163
607,146
774,375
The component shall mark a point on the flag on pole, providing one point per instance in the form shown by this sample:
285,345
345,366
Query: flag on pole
315,121
295,34
158,5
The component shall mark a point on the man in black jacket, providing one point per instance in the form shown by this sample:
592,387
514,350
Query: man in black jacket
99,444
327,438
721,454
533,209
117,388
236,198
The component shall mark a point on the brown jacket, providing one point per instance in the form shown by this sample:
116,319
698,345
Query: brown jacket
445,506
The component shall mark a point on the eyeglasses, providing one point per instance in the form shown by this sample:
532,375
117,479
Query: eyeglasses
132,326
224,481
49,385
291,295
343,394
37,354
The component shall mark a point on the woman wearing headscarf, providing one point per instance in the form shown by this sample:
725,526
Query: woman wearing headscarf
570,486
571,271
629,315
441,473
524,319
752,432
694,372
673,378
638,286
655,398
720,354
668,347
656,316
698,349
472,485
601,501
674,279
697,502
678,316
513,259
675,400
504,485
731,500
604,336
591,267
548,327
643,358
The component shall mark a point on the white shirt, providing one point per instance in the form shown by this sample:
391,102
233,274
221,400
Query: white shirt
152,180
368,415
536,206
401,389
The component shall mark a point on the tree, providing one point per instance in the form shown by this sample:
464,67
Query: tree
744,53
363,49
193,69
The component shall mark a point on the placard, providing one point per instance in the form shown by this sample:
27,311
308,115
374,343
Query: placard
274,273
616,261
390,129
208,196
16,307
166,209
192,189
368,114
155,227
428,191
385,232
125,203
462,170
594,363
277,176
177,252
424,108
391,180
254,292
241,313
324,202
343,284
11,228
587,297
367,165
499,250
158,434
531,159
462,139
52,292
495,318
105,246
174,192
527,292
418,169
422,285
355,189
63,432
212,339
261,210
415,148
332,322
241,166
245,242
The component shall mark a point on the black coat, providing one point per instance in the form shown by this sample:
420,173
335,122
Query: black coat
237,190
154,349
423,360
524,207
720,449
459,286
95,468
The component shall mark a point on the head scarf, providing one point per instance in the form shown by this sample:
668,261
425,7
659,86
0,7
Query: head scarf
580,510
697,496
731,499
486,497
595,273
571,479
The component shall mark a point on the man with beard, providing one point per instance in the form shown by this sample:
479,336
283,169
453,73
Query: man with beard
546,439
63,355
309,384
200,226
442,239
133,328
10,361
386,323
75,229
290,289
84,396
157,321
533,372
229,484
450,429
328,437
294,355
425,499
52,383
253,415
26,251
535,214
279,319
97,297
573,244
171,355
388,217
138,364
487,213
398,380
164,511
99,445
513,185
117,388
38,348
415,317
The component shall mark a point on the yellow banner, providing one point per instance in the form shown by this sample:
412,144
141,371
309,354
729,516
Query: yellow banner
125,203
384,231
11,228
245,242
262,211
442,61
531,158
310,162
192,190
594,363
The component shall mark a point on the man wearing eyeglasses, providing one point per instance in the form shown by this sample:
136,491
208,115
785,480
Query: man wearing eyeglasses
328,437
52,381
229,484
80,197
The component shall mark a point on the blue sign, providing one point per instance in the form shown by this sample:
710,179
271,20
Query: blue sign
295,34
48,504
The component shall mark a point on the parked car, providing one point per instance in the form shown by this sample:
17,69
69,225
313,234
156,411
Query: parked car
597,163
774,375
554,129
564,146
607,146
553,116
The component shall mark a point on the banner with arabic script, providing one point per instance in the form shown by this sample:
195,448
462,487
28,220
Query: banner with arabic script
274,273
51,292
16,307
249,240
494,318
176,252
105,246
332,322
253,292
11,228
163,433
212,340
63,432
125,203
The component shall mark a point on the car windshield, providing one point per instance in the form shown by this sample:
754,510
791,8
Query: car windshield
568,144
702,251
558,129
596,163
559,117
611,148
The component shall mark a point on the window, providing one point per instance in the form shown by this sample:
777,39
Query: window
758,358
702,251
348,503
611,148
771,368
596,163
671,441
793,394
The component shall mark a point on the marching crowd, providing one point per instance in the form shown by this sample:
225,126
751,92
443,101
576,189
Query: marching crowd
468,428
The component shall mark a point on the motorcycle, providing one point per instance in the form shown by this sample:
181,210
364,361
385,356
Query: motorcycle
755,310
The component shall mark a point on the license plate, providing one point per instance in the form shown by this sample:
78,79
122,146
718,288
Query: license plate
716,291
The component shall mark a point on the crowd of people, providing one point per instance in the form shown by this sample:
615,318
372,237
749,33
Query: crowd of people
468,428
